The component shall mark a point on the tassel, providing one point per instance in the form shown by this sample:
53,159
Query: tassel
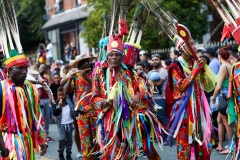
192,152
123,29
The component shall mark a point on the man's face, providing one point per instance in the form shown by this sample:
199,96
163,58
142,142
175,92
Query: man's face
56,79
42,69
1,57
156,62
47,42
194,47
114,59
84,64
186,57
18,74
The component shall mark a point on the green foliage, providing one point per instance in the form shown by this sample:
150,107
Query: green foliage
30,18
93,26
187,13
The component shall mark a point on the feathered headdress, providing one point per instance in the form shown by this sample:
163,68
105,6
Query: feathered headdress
115,27
132,46
232,18
178,33
9,34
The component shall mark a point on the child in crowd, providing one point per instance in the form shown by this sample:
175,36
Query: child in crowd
63,109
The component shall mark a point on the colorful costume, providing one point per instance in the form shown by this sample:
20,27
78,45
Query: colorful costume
122,132
190,119
86,123
3,73
148,103
191,122
21,123
234,112
24,132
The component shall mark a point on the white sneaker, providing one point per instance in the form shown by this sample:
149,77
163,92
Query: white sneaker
79,155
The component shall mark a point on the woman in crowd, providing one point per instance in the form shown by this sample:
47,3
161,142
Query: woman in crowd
222,88
42,53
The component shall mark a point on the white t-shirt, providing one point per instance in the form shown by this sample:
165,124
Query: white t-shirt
163,75
66,117
50,50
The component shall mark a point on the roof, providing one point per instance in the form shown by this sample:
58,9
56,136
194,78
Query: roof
67,16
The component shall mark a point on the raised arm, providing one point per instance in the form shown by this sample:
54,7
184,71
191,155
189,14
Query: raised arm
181,84
68,86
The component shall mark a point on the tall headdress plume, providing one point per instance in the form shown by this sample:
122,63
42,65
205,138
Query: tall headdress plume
132,45
178,33
232,18
9,27
10,35
119,13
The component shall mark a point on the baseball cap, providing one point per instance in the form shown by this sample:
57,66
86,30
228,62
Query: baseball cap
211,51
142,52
59,62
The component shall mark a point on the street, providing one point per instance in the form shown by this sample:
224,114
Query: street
168,153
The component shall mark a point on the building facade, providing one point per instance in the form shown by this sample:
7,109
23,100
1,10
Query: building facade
63,26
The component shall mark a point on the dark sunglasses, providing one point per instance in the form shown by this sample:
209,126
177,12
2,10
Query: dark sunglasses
155,55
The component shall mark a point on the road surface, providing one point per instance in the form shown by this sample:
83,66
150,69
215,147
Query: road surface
168,153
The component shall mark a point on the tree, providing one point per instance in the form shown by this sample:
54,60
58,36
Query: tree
30,20
187,12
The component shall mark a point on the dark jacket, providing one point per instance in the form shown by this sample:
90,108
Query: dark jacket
57,111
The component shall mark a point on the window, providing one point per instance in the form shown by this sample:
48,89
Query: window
78,2
59,5
53,36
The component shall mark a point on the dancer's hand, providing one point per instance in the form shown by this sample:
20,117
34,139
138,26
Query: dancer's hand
104,104
136,101
43,149
201,62
60,103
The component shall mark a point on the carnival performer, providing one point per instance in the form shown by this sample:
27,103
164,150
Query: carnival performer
190,118
122,121
148,105
81,83
24,132
233,111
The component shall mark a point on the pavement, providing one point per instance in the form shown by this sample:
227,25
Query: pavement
168,153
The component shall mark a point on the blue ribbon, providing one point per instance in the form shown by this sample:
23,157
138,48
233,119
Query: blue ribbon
16,145
146,130
180,111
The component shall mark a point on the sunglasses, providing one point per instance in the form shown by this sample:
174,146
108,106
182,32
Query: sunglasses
155,55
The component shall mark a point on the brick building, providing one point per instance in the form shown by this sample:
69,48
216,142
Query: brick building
63,26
